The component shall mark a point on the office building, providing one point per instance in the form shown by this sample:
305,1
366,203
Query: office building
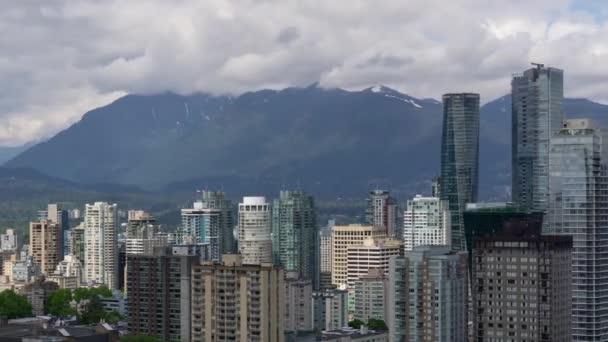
522,285
577,208
159,292
233,301
330,309
426,221
341,238
9,241
298,299
382,211
325,259
370,254
46,245
370,295
427,295
101,245
255,230
537,97
294,229
459,158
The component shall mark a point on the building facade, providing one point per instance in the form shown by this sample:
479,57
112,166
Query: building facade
459,158
370,254
255,230
426,221
577,207
294,230
428,295
522,285
330,309
370,295
46,245
382,211
9,241
298,299
101,246
232,301
341,238
537,97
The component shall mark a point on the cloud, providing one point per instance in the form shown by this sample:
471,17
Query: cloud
62,58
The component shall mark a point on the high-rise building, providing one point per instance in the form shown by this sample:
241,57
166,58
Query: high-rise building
294,229
427,296
330,309
537,98
76,236
218,200
298,300
382,211
9,241
522,285
56,214
341,238
233,301
370,295
426,221
255,230
370,254
325,259
459,158
68,273
159,292
578,203
46,245
143,234
101,246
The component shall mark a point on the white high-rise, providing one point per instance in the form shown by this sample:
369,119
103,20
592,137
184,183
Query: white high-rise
426,221
255,228
100,250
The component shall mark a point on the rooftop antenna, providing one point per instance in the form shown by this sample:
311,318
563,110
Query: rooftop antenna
538,65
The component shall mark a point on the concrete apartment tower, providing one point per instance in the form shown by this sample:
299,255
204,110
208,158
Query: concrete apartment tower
426,221
382,211
46,245
101,247
459,158
537,97
255,230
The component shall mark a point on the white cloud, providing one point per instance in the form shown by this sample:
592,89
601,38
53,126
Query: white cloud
62,58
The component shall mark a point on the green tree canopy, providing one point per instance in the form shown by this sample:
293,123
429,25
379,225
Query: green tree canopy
13,305
356,323
376,324
59,303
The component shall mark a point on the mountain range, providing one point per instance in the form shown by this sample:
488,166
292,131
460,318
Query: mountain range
330,142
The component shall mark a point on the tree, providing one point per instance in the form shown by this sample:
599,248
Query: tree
13,305
140,338
81,293
59,303
113,317
356,323
376,324
101,291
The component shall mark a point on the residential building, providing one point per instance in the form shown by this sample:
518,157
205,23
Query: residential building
578,204
46,245
294,230
234,301
218,200
37,293
298,299
9,241
330,309
382,211
537,97
68,272
77,243
426,221
370,295
341,238
101,249
117,302
370,254
57,215
427,295
325,259
522,285
255,230
459,158
24,270
159,292
143,234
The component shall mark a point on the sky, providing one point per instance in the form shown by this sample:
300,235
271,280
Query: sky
62,58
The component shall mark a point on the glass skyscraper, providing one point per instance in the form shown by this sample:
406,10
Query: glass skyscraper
459,158
537,114
294,232
578,207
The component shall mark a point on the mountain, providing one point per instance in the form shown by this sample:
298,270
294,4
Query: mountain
330,142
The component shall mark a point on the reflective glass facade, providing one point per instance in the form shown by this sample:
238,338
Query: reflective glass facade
459,158
578,207
537,114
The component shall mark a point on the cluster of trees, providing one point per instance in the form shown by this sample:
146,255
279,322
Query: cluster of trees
83,303
13,305
372,323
